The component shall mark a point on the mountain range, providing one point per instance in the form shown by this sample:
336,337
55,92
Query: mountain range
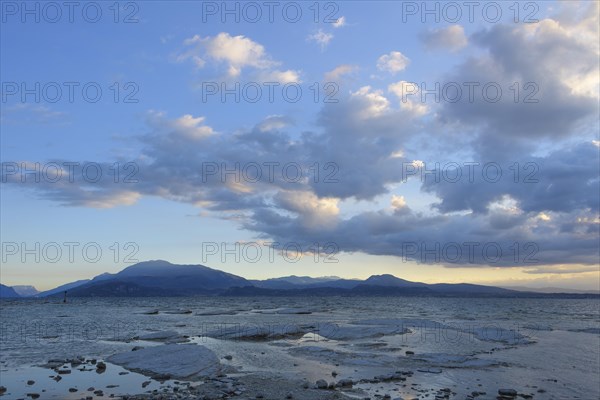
161,278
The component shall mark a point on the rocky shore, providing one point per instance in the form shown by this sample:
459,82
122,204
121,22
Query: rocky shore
214,384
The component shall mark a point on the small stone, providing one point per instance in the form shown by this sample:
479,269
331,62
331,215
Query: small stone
228,357
30,382
409,353
289,396
321,384
2,390
507,392
72,390
345,383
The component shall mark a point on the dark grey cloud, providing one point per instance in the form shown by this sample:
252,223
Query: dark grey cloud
562,181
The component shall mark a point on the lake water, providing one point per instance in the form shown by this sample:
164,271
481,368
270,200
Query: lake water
549,348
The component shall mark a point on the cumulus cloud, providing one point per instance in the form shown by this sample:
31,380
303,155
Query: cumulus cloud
321,37
187,125
366,141
336,74
313,212
550,62
273,123
236,53
451,38
283,77
405,91
393,62
341,21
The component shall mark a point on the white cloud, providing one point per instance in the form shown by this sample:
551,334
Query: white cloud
111,200
321,37
393,62
341,21
314,212
406,92
374,103
283,77
398,202
336,74
273,122
452,38
186,126
237,53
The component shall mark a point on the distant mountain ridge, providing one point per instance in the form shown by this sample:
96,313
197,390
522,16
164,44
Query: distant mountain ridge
7,292
162,278
25,290
551,290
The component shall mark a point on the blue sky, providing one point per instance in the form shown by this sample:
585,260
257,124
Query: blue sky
373,215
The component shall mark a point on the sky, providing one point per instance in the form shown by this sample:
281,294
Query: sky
438,141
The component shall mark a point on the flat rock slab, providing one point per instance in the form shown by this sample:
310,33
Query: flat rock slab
162,335
177,361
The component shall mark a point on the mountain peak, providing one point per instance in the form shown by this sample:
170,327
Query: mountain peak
25,290
390,280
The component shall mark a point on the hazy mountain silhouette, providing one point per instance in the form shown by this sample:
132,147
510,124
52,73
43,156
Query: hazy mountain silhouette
7,292
161,278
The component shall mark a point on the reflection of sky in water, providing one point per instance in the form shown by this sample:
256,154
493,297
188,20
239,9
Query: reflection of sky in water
15,379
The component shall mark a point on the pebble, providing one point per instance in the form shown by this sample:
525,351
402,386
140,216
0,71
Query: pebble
321,384
507,392
345,383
